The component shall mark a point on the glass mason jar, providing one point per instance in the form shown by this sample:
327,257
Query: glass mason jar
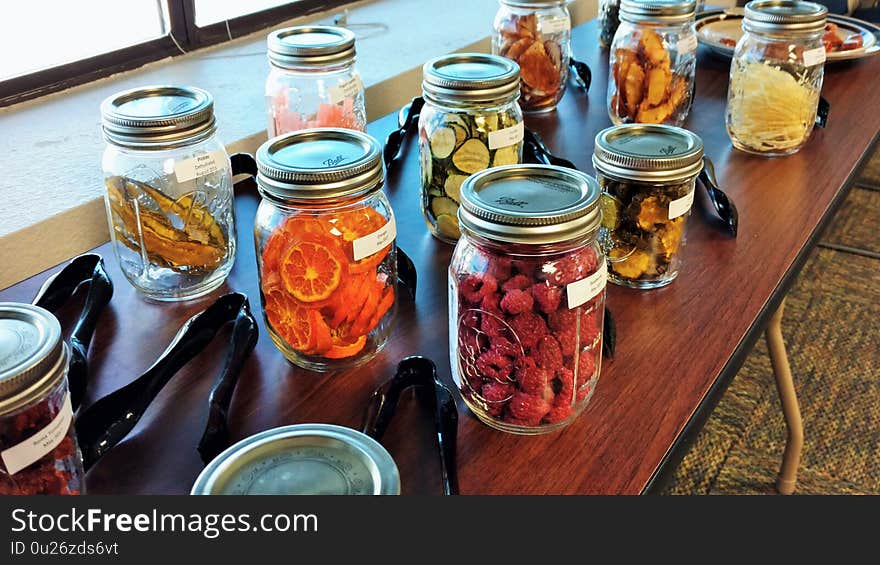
169,191
325,240
40,454
312,81
652,63
648,175
470,122
609,19
776,76
526,297
536,35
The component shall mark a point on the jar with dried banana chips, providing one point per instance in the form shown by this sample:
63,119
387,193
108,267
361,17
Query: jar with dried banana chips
313,81
648,175
325,242
470,122
169,191
537,35
776,76
652,62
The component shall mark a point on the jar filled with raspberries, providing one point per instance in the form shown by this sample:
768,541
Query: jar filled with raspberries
526,297
537,35
325,241
39,453
648,175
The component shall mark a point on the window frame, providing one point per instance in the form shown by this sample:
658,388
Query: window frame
188,36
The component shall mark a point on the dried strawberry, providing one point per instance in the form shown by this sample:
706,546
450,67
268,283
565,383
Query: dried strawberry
476,287
517,301
548,353
494,365
547,296
519,282
528,408
529,327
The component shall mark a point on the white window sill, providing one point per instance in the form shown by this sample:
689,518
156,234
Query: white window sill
52,192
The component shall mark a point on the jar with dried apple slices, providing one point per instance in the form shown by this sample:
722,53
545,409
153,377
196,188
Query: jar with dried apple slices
470,122
537,35
325,241
527,296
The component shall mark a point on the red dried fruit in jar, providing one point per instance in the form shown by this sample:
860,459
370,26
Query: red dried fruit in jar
532,379
518,282
548,354
476,287
517,301
547,296
529,408
529,328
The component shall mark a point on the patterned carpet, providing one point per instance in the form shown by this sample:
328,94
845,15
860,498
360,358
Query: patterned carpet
831,328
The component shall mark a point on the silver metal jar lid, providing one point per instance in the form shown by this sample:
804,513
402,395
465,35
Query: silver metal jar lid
158,117
33,358
470,78
784,16
536,204
311,46
319,164
535,3
659,11
302,459
648,153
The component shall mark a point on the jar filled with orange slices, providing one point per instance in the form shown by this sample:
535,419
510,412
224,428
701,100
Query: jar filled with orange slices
325,241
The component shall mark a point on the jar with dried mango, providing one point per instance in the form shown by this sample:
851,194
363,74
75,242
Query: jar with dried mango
648,175
537,35
653,62
470,122
325,241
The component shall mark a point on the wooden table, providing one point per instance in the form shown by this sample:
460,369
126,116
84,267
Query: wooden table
678,347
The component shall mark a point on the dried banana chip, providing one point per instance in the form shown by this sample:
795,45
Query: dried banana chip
471,157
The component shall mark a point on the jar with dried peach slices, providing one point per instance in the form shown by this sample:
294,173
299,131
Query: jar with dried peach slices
325,241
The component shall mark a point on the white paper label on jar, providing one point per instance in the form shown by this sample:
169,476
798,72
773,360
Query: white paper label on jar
687,44
582,291
813,57
200,165
376,241
506,136
681,206
345,89
554,25
34,448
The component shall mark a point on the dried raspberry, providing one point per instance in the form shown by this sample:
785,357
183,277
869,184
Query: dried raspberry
499,267
589,326
491,303
567,339
532,379
586,367
517,301
475,287
527,267
496,396
563,384
528,408
502,346
519,282
529,327
558,413
547,296
548,354
493,365
573,267
561,319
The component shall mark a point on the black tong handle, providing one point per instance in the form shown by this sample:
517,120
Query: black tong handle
407,116
581,73
419,372
822,112
536,151
724,206
57,290
106,422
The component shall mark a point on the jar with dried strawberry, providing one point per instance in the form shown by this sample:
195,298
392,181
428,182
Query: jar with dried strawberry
527,296
652,62
325,241
39,453
537,35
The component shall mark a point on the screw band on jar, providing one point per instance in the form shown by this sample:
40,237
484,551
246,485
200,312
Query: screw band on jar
305,46
325,235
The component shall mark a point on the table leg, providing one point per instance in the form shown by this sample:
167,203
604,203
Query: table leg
785,386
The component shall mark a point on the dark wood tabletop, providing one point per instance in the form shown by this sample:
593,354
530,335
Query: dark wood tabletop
678,347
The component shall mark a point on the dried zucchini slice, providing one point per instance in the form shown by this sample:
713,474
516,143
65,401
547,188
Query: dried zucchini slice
453,186
448,225
506,156
442,142
472,156
486,123
441,206
610,207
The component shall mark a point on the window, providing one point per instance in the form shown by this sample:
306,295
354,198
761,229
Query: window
62,44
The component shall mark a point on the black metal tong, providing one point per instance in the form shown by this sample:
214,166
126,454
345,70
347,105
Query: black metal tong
421,373
106,422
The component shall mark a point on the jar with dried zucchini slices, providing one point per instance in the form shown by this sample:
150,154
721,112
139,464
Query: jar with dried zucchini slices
648,176
325,241
776,76
471,121
537,35
653,62
169,191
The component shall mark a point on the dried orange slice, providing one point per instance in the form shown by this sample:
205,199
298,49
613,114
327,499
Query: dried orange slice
369,263
321,331
342,350
311,271
291,322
